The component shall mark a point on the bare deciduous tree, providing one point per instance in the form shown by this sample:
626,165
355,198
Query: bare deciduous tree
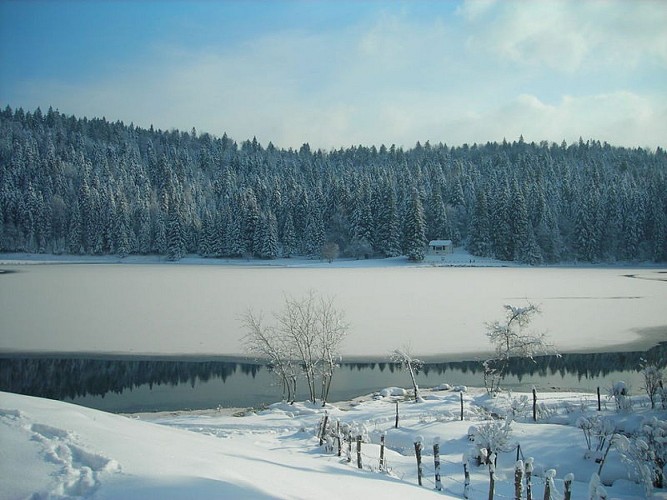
266,344
652,381
306,337
332,331
413,365
510,340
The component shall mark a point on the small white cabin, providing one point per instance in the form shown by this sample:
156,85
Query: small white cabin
440,247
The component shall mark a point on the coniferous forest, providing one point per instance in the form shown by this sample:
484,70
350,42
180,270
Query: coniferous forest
89,186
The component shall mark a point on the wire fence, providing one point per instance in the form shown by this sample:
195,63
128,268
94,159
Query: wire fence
338,438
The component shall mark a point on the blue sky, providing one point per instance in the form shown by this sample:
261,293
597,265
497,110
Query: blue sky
340,73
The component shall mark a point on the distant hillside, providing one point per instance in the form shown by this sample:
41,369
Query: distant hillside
88,186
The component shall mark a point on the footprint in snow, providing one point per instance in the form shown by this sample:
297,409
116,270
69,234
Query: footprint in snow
80,471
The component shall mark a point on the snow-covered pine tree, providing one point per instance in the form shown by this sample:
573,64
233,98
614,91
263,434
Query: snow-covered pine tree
415,228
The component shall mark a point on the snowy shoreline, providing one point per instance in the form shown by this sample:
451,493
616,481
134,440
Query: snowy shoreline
460,258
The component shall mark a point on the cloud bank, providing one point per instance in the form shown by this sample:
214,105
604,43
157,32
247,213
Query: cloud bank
491,70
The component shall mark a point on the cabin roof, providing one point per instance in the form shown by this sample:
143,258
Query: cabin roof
439,243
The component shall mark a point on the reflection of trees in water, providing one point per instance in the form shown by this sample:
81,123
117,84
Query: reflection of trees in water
584,366
61,378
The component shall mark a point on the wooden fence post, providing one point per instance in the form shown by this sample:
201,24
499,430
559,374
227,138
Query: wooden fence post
382,452
518,480
529,478
461,394
466,483
338,437
534,405
569,478
396,424
491,458
436,463
548,483
599,406
418,454
349,446
359,451
323,429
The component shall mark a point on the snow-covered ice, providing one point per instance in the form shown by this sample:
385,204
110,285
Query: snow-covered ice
440,311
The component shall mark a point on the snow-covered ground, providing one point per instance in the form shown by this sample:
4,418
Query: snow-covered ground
53,450
460,258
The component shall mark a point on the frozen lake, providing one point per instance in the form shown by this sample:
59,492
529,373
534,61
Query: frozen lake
439,311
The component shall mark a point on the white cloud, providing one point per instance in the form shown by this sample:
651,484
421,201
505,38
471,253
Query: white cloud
547,70
572,35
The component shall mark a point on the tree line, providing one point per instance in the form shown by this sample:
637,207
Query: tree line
73,185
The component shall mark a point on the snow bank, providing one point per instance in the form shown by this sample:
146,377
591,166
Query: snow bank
57,449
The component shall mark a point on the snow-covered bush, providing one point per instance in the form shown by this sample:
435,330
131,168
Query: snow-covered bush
595,489
393,391
598,432
620,392
519,407
492,438
645,453
652,376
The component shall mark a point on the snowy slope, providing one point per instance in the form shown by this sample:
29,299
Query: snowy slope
53,449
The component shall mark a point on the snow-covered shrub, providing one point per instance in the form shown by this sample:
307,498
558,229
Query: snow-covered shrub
595,489
519,407
393,391
598,432
645,453
442,387
359,428
493,438
652,376
545,411
620,392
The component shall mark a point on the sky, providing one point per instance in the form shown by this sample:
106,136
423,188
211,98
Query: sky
340,73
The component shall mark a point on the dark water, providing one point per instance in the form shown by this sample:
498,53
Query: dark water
132,384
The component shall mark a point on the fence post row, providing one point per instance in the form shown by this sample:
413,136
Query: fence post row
436,463
521,471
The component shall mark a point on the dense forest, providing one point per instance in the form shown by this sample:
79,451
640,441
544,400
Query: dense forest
90,186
